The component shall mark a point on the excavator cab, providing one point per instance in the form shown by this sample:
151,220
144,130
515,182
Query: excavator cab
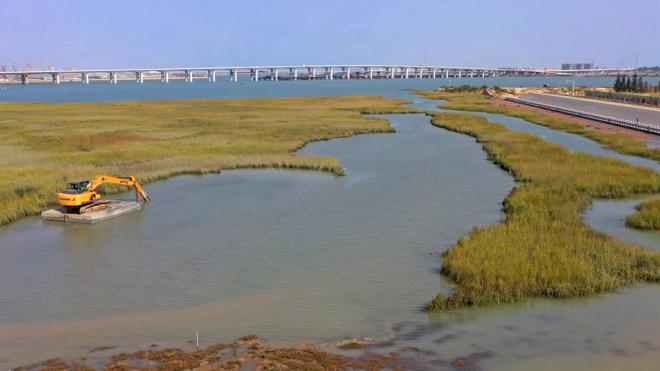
77,187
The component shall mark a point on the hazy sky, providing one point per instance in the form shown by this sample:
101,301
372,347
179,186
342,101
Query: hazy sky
132,33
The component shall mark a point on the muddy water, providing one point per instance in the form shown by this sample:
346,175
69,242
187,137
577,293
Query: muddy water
299,256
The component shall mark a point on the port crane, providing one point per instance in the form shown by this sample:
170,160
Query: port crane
83,196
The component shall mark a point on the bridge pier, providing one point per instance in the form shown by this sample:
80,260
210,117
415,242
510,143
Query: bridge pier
188,76
312,73
256,75
407,71
164,76
371,72
139,77
112,77
56,78
211,75
274,74
348,73
433,74
84,78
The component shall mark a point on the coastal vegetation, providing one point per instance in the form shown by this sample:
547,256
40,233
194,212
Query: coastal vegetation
42,146
647,216
475,101
542,248
634,83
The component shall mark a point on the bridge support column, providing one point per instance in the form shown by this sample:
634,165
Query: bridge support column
112,77
84,78
460,74
164,76
295,73
56,78
348,73
371,72
256,75
313,73
274,74
433,73
407,71
188,76
211,75
392,72
139,77
332,73
24,79
446,73
233,75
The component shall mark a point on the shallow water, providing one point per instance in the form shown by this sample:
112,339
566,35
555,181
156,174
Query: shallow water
299,256
287,255
609,217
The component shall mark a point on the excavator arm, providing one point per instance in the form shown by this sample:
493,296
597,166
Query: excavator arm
129,181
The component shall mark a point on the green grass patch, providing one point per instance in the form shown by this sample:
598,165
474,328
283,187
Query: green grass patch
543,249
475,101
647,216
42,146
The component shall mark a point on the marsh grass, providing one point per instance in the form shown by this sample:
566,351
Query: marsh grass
475,101
647,216
42,146
543,249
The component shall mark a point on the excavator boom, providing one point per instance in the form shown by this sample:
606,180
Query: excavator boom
129,181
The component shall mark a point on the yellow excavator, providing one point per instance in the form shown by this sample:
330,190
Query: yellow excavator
83,196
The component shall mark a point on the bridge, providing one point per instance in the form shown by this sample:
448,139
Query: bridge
292,72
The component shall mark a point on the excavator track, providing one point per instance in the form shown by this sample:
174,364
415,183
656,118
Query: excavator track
94,206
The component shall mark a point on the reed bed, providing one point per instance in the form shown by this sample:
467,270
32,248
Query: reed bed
542,248
475,101
647,216
42,146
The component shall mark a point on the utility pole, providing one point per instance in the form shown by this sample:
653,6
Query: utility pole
573,83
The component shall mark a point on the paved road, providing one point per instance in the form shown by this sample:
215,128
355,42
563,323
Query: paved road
650,116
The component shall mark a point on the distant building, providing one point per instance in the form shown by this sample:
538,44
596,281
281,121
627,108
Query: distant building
577,66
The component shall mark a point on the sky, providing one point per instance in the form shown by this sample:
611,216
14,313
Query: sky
471,33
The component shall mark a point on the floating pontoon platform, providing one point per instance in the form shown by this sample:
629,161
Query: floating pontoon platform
113,209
